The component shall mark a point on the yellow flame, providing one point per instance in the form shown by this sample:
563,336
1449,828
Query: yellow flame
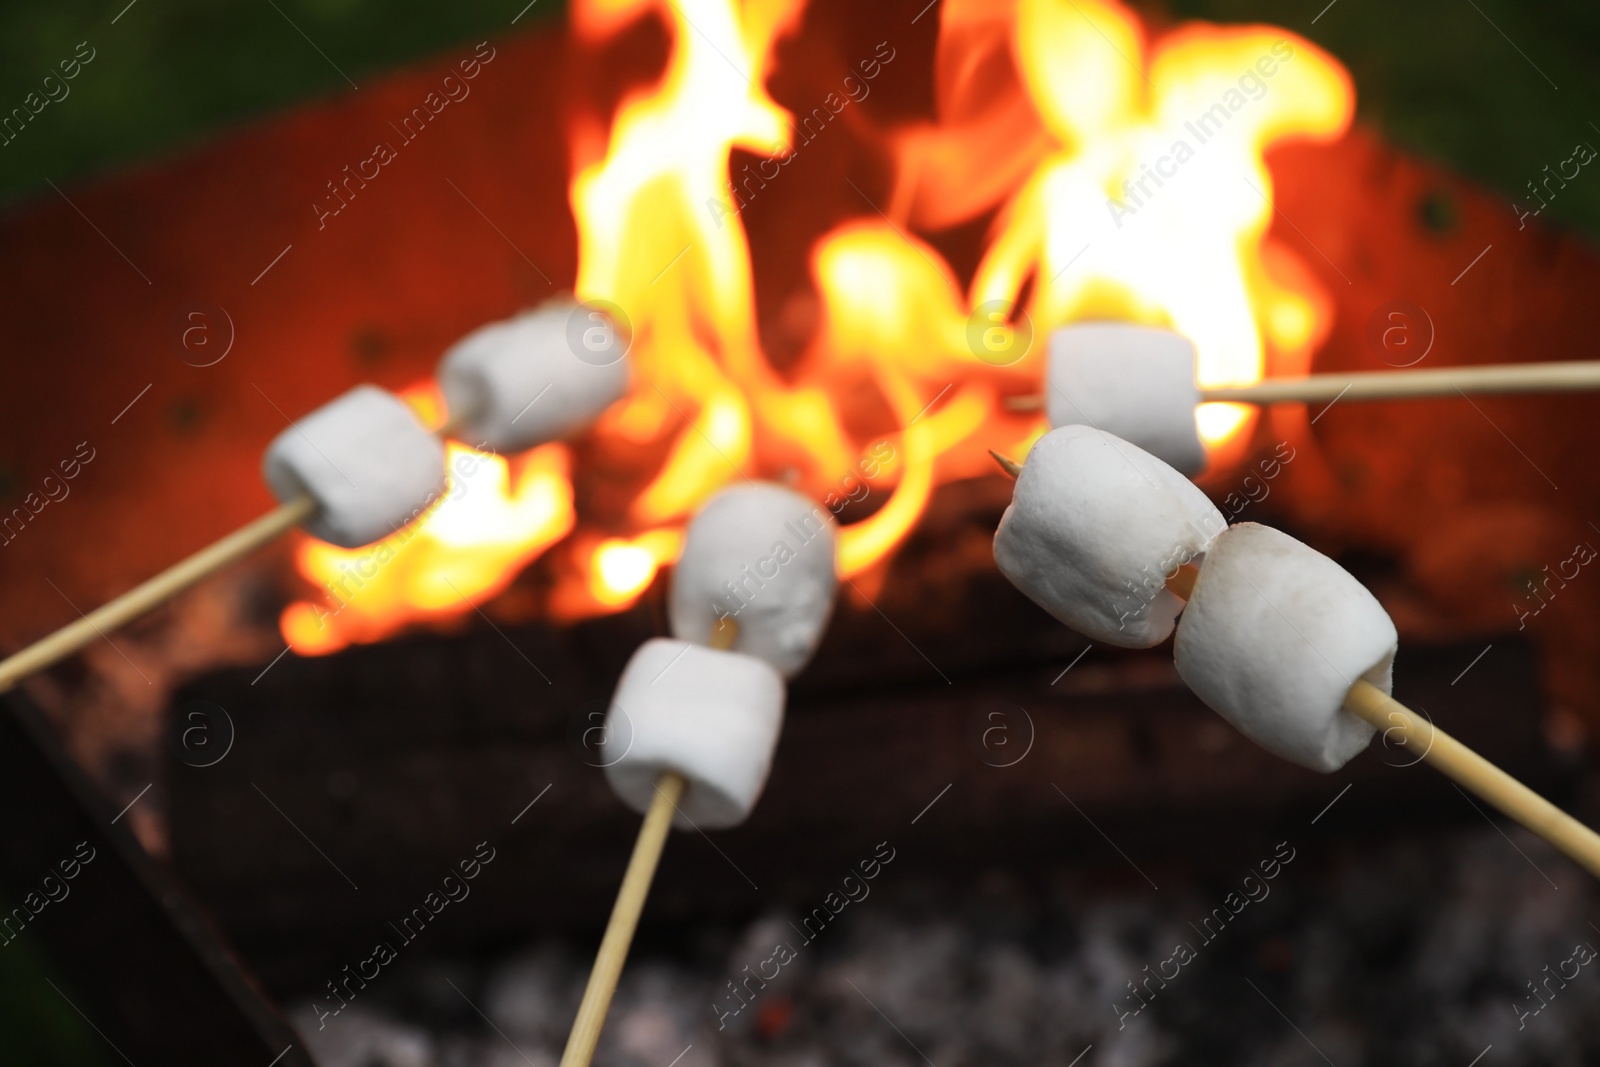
658,238
623,568
1057,115
1154,205
490,523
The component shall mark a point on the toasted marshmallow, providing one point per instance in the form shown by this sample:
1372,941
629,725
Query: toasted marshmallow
763,556
711,716
537,377
1095,527
1275,635
1137,382
365,460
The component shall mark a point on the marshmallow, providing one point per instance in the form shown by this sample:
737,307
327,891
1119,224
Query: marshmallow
763,556
1095,527
1134,381
711,716
1274,636
365,460
537,377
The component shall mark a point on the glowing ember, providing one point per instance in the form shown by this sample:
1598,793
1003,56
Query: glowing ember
1129,182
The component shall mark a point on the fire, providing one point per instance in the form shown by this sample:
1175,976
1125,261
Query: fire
1126,180
494,518
648,244
1150,199
622,569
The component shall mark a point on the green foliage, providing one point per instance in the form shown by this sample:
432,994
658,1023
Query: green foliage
41,1029
170,72
1438,77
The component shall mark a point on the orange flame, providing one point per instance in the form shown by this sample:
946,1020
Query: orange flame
1152,200
495,516
621,568
648,244
1058,113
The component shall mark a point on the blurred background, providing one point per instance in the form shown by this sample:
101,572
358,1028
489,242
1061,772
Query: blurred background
1439,78
1484,92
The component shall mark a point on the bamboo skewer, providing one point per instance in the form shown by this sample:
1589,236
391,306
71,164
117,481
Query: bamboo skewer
150,594
624,920
1564,377
631,896
1471,771
1456,761
1011,466
1453,759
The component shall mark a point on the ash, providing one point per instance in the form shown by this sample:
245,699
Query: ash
1441,948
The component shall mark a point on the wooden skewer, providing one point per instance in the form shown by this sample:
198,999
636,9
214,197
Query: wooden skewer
1565,377
152,593
73,637
1456,761
624,920
1010,466
1181,584
1472,771
631,896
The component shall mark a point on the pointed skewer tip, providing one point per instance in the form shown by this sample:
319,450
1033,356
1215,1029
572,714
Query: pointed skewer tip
1010,466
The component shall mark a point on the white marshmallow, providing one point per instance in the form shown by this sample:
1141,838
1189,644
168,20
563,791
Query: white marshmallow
712,716
1095,527
537,377
1134,381
1275,635
368,463
763,556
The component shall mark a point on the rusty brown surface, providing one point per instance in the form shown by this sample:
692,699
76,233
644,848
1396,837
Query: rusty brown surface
1473,497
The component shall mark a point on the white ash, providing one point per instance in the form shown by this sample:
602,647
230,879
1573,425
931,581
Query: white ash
364,1039
1409,951
531,997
